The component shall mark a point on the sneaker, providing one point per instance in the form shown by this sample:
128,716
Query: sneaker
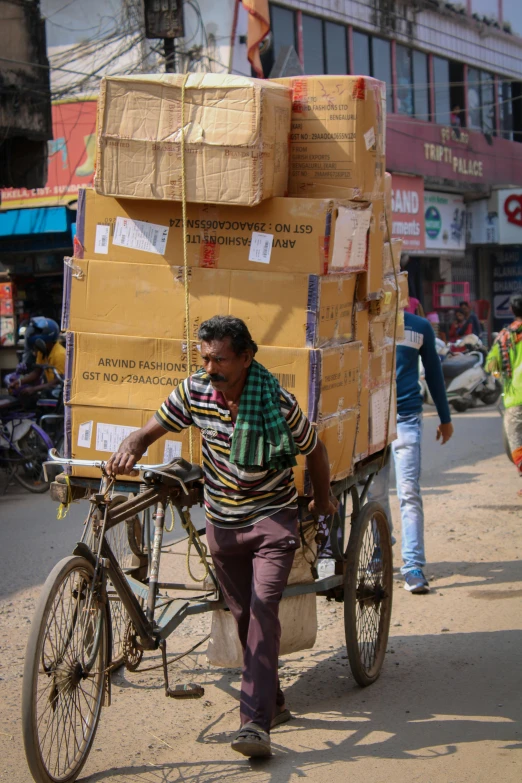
375,564
416,582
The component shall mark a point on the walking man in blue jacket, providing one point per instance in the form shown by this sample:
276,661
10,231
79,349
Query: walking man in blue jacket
419,340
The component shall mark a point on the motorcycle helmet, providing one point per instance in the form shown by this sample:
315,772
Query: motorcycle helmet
41,333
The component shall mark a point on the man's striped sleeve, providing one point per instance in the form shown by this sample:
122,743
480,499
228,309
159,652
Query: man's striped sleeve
174,415
304,435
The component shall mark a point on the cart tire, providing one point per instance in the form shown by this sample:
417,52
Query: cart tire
368,589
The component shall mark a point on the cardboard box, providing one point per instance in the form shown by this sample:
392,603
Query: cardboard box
288,235
381,410
337,139
380,366
149,301
387,303
382,329
388,194
338,433
139,372
96,432
363,422
370,285
392,257
236,138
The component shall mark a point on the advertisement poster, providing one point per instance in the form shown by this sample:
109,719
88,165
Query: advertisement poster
408,212
71,157
507,279
510,217
445,222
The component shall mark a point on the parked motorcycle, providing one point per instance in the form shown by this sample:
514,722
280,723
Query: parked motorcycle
465,378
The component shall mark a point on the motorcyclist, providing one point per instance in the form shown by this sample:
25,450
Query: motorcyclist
41,338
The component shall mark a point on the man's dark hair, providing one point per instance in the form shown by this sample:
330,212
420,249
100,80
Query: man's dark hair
466,304
516,304
220,326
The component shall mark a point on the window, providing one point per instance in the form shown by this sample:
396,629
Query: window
488,103
506,111
361,54
381,67
516,93
336,53
313,45
474,100
442,91
404,80
283,29
512,13
421,93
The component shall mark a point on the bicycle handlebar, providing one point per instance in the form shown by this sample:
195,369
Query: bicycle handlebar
55,459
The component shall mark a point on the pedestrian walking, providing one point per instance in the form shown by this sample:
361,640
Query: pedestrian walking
419,340
252,430
505,358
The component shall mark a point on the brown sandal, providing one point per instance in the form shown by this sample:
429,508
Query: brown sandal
251,740
281,717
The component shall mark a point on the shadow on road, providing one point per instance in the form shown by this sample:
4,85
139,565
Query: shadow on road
436,693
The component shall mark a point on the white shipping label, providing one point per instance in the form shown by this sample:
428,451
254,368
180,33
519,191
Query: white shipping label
351,238
369,138
138,235
261,247
109,436
85,435
379,409
172,450
101,242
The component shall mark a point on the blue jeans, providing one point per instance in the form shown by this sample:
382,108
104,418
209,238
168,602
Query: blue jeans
406,452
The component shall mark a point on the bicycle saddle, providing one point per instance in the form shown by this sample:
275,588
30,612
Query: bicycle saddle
179,472
8,402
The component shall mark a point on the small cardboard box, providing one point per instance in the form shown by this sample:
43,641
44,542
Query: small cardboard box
149,301
370,285
392,257
236,138
338,433
94,433
382,433
140,372
383,331
291,235
337,139
386,304
380,366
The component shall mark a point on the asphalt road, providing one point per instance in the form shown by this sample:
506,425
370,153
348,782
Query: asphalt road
32,540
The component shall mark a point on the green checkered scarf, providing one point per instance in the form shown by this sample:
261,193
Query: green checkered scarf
262,438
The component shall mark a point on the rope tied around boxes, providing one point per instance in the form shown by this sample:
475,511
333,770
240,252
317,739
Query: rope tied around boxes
185,250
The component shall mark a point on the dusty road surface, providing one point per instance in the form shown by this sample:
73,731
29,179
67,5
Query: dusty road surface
446,709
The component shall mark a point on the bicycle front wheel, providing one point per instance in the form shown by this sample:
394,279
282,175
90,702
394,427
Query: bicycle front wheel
65,670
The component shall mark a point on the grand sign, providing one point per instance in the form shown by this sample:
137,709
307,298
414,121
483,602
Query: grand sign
451,154
408,211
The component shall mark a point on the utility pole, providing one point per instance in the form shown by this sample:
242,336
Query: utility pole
164,19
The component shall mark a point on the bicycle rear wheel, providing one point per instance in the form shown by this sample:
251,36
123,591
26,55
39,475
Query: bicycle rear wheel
29,468
64,674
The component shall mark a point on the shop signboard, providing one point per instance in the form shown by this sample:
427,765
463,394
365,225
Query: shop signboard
510,217
408,212
507,279
71,156
445,222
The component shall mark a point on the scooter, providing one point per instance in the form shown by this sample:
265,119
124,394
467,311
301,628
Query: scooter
465,378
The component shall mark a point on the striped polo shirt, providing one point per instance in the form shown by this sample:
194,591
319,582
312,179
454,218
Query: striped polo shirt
233,497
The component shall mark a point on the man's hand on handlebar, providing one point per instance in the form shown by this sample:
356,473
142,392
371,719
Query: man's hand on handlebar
129,453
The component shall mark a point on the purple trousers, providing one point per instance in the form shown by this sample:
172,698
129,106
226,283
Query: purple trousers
252,566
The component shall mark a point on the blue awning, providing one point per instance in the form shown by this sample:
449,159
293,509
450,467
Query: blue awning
40,220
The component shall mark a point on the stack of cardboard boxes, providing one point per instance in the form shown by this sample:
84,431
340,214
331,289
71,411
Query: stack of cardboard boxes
307,271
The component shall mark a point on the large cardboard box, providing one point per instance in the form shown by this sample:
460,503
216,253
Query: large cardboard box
370,284
149,301
362,334
94,433
236,138
337,139
139,373
292,235
338,433
391,257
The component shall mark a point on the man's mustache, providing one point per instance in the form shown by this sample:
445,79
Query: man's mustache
217,377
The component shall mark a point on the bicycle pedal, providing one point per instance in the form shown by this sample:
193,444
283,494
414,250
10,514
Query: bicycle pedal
190,691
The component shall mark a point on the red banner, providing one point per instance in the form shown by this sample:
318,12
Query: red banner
408,211
72,154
